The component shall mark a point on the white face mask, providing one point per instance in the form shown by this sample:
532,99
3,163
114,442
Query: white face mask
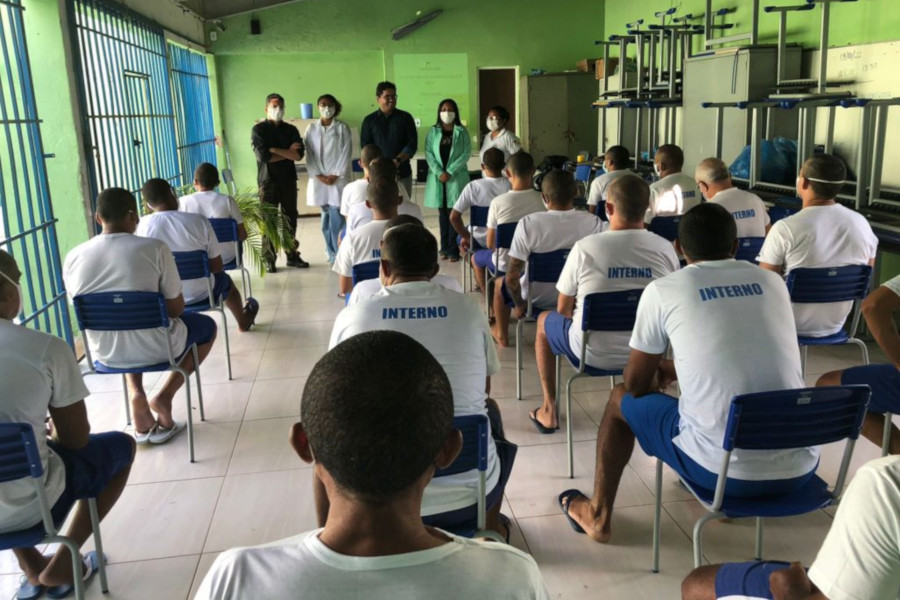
448,117
493,124
275,113
657,170
326,111
20,311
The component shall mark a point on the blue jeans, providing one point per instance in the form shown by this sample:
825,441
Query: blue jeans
332,223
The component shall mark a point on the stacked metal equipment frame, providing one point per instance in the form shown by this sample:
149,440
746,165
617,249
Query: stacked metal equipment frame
27,223
751,37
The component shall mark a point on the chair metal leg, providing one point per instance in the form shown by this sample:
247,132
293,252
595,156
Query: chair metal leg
556,393
196,354
246,283
864,350
98,544
803,350
759,538
612,381
190,416
886,436
569,440
227,345
519,365
127,401
75,552
657,514
698,539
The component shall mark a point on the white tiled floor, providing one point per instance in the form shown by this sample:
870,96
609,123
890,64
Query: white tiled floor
247,486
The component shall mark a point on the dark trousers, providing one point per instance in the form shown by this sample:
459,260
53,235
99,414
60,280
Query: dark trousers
284,195
448,243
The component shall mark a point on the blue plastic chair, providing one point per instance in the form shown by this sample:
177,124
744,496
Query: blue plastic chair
832,284
777,213
503,238
475,431
365,270
777,420
543,267
748,248
666,227
131,311
20,458
227,233
477,218
195,265
583,176
610,311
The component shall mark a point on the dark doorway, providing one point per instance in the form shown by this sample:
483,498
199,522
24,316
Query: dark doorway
496,86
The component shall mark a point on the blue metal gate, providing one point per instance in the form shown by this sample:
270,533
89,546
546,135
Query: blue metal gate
27,225
196,135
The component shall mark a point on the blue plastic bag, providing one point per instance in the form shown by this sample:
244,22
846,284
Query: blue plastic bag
776,168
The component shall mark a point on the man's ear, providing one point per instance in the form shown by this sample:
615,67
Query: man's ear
450,450
385,269
300,443
98,220
368,205
734,248
680,251
435,270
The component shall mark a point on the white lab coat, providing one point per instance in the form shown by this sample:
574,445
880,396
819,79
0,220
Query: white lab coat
328,152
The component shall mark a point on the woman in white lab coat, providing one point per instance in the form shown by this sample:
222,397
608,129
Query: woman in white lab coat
328,149
498,136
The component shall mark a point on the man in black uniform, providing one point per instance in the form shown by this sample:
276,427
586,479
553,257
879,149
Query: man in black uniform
393,131
277,145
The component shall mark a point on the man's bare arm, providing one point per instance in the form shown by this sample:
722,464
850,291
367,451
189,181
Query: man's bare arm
878,310
641,373
775,268
565,305
70,425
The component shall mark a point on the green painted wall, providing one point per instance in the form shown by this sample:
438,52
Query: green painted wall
863,22
344,48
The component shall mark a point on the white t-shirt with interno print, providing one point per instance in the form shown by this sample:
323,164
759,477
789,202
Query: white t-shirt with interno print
729,325
360,214
749,212
612,261
480,192
454,328
512,207
368,288
673,195
860,557
546,232
362,245
38,371
213,205
600,185
183,232
820,236
122,262
303,566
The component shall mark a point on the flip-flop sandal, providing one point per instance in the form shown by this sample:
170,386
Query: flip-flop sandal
27,591
91,563
504,520
163,435
251,308
565,501
142,439
542,429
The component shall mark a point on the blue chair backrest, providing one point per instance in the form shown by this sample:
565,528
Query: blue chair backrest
610,311
777,213
829,284
583,173
120,311
19,454
365,270
505,233
474,453
748,248
478,216
226,229
666,227
796,418
545,267
192,265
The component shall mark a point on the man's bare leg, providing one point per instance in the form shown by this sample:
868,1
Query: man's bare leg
615,441
59,569
320,499
700,584
479,274
873,424
140,410
235,304
500,328
546,364
32,563
162,402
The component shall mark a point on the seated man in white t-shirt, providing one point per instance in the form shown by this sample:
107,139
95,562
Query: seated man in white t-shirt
374,449
879,309
360,214
453,327
674,193
626,257
510,207
211,204
560,227
188,232
860,557
140,265
715,313
40,374
714,180
355,191
364,244
479,192
615,164
368,288
822,234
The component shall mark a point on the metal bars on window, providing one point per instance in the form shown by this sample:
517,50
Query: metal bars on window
27,225
196,135
128,118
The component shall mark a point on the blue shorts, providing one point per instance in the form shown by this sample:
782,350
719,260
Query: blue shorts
747,579
90,469
556,328
654,421
884,381
484,259
222,286
201,329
